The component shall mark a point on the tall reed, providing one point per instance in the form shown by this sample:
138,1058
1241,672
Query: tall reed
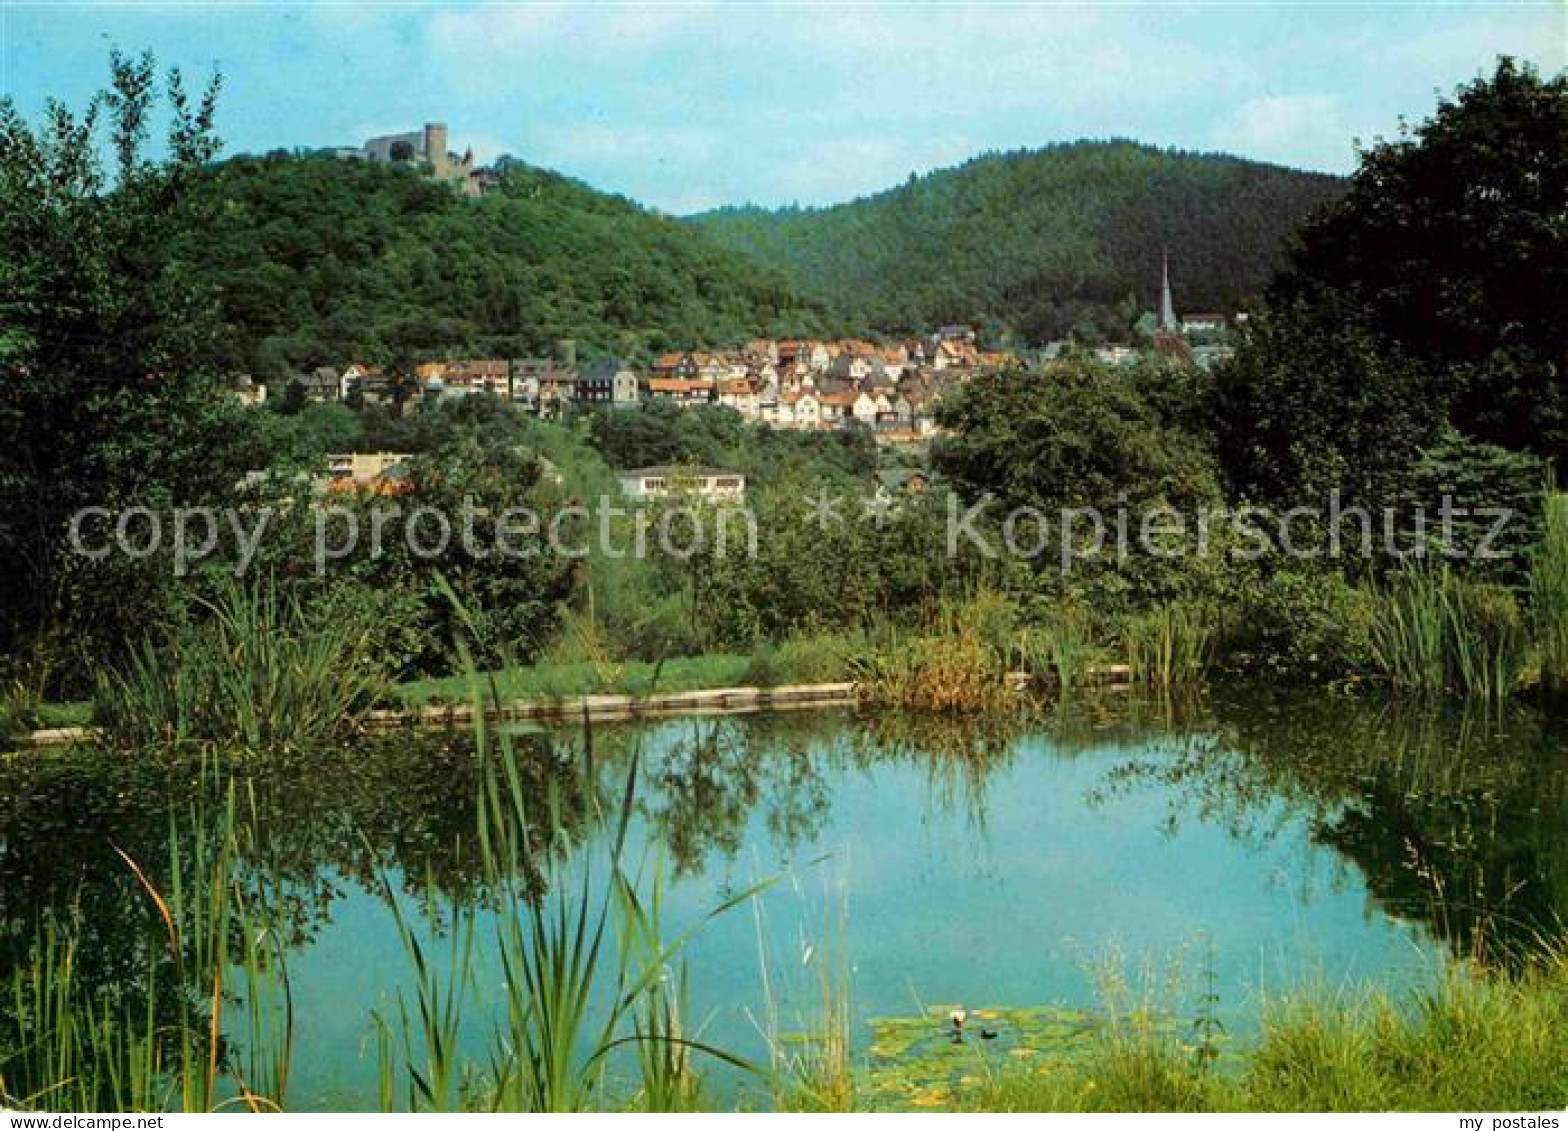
1434,631
810,1053
1171,645
260,671
434,1070
957,663
1062,646
669,1080
157,1041
584,962
1549,594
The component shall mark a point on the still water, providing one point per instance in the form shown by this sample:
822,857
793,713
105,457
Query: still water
1108,849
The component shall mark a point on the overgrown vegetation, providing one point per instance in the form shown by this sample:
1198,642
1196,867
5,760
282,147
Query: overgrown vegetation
959,662
212,969
1435,631
259,672
1549,596
1480,1041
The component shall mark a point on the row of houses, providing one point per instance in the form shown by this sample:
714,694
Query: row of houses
847,359
796,384
800,384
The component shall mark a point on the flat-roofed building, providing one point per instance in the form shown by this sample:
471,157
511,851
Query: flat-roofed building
710,483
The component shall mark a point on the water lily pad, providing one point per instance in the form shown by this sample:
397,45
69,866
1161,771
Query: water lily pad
914,1059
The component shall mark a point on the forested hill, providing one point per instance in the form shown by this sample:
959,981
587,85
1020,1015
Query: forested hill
1039,241
317,261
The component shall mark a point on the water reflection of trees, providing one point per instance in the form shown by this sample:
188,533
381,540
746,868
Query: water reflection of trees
1457,818
707,780
405,805
304,829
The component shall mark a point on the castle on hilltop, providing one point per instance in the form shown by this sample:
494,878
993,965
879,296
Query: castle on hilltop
428,147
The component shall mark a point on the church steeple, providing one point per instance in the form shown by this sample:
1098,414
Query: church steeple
1167,308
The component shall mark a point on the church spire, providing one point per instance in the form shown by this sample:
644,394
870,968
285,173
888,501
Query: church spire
1167,308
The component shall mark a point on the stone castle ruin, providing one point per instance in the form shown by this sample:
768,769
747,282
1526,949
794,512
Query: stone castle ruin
428,147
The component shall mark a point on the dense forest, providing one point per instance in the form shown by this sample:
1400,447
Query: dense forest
1039,242
320,261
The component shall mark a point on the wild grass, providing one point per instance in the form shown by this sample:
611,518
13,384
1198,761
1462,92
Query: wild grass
958,662
811,1045
1549,595
1480,1041
158,1041
553,681
810,658
1477,1041
1171,645
660,1028
258,672
1062,647
1434,631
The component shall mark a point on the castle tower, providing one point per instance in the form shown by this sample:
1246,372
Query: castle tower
1167,308
435,147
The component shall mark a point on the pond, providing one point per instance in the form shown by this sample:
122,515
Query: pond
1110,852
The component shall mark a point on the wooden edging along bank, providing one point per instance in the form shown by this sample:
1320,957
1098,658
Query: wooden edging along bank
597,708
612,708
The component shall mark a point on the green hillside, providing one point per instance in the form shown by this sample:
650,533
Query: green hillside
1039,241
317,260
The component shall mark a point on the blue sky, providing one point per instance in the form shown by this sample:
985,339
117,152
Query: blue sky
689,105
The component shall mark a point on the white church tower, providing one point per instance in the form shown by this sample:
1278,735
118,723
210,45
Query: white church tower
1167,308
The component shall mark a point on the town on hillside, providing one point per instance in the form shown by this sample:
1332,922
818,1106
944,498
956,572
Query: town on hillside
890,387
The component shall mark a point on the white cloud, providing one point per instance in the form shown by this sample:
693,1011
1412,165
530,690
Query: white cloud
485,50
1310,130
491,47
1457,52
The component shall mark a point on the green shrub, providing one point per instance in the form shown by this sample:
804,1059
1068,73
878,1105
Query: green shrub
262,671
1302,624
957,663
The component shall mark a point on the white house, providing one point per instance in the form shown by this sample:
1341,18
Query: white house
351,378
805,407
1115,355
1202,323
740,394
865,407
711,484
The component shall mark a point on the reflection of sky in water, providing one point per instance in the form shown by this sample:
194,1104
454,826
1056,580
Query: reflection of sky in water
1013,897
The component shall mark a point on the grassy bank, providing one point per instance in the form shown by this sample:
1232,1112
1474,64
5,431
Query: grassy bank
557,680
806,660
1481,1041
